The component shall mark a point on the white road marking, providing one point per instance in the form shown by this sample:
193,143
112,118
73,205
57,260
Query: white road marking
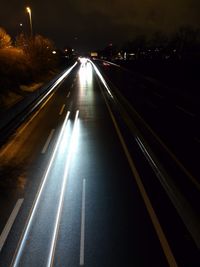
72,86
68,94
154,219
22,240
185,111
178,162
161,236
48,141
62,109
10,222
82,240
62,194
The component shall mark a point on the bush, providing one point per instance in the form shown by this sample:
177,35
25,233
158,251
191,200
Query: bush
38,50
14,68
5,39
30,60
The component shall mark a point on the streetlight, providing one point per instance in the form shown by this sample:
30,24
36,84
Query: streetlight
28,9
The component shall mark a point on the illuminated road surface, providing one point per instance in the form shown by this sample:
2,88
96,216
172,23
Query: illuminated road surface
83,201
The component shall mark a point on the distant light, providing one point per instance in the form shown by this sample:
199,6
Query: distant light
54,52
125,55
28,10
94,54
20,24
73,50
83,60
66,50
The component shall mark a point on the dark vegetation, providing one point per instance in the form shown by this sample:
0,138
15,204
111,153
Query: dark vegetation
173,59
25,60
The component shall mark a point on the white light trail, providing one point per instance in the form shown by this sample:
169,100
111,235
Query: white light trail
101,78
61,201
19,250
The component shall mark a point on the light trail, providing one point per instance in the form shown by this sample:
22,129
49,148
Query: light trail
61,201
20,247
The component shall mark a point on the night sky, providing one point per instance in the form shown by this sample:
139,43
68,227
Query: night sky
91,24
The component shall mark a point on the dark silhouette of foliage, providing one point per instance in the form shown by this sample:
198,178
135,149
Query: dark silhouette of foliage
5,39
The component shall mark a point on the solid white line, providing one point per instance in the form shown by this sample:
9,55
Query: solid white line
62,109
62,194
68,94
22,240
154,219
161,236
10,222
48,141
82,240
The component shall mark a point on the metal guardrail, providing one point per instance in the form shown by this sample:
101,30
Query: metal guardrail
142,133
11,118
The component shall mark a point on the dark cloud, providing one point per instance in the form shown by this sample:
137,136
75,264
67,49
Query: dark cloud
87,23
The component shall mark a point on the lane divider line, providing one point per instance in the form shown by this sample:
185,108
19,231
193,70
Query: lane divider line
62,109
82,240
10,222
154,219
62,194
22,240
68,94
185,111
48,141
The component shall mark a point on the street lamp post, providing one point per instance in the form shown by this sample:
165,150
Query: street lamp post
28,9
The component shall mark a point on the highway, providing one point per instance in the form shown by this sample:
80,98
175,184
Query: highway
77,191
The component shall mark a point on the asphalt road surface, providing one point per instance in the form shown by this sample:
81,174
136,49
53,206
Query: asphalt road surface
71,192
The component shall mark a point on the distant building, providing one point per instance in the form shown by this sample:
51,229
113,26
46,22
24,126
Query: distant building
94,54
